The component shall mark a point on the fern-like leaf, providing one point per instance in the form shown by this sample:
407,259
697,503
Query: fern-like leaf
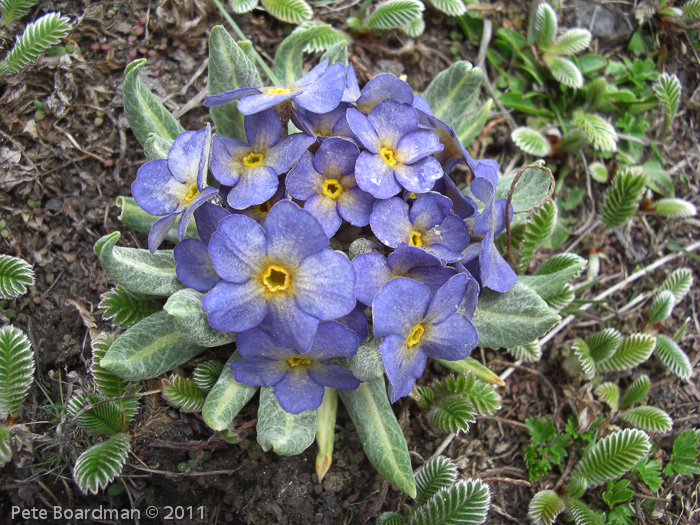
207,374
562,298
290,11
450,7
691,10
538,229
583,354
565,72
15,276
243,6
323,41
467,502
545,25
16,370
612,456
390,518
531,141
661,307
528,353
414,28
633,351
674,208
582,513
544,507
651,419
679,282
636,392
123,309
599,131
481,395
672,357
452,414
437,473
609,393
622,199
111,385
183,394
426,396
394,13
38,36
571,42
100,464
102,419
668,90
15,9
603,345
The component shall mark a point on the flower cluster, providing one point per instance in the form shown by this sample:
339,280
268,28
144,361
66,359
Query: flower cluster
365,174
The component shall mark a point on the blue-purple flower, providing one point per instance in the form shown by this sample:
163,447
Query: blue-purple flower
252,170
176,186
416,324
384,86
398,154
280,275
323,125
299,378
320,91
428,225
326,182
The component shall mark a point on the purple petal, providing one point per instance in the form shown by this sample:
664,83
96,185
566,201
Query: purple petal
417,145
419,177
203,196
314,75
155,190
325,94
288,323
325,285
336,157
287,151
451,234
297,393
392,121
207,217
254,104
422,105
452,339
159,230
259,343
352,88
292,234
255,186
235,307
372,272
432,276
448,298
403,365
193,265
186,154
382,87
406,257
334,376
429,210
375,176
238,249
390,222
333,340
226,153
462,206
263,129
363,130
357,322
355,206
496,273
399,306
303,181
211,101
324,210
256,371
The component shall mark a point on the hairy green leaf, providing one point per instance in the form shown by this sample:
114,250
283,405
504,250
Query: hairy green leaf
564,71
290,11
531,141
472,366
337,52
286,433
473,124
394,13
185,307
661,307
414,28
691,10
571,42
545,25
479,394
451,414
100,464
288,65
598,171
603,345
330,37
12,10
531,186
674,208
466,502
38,36
636,392
544,507
553,274
183,393
226,399
609,393
583,354
582,513
622,199
561,299
103,419
206,374
16,370
452,93
634,350
6,445
437,473
668,90
15,276
242,6
109,384
648,418
528,353
390,518
450,7
679,282
123,309
155,147
599,131
672,357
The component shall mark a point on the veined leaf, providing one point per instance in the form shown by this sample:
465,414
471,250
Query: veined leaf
437,473
472,366
554,273
661,307
668,89
123,309
545,25
288,65
111,385
103,419
622,199
452,93
206,374
604,344
479,394
564,70
450,7
561,299
394,13
16,370
582,513
466,502
472,125
691,10
190,318
572,41
544,507
679,282
633,351
684,455
599,131
226,399
38,36
580,350
531,141
648,418
674,208
528,353
609,393
636,392
6,445
650,472
414,28
325,40
390,518
452,414
15,276
183,393
101,463
12,10
612,456
290,11
242,6
286,433
672,357
337,52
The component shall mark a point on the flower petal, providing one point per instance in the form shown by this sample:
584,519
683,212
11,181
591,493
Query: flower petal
256,103
390,223
255,186
207,217
392,121
288,323
203,196
356,321
287,151
400,305
352,88
257,342
211,101
262,129
404,258
382,87
324,210
256,371
159,230
428,210
292,234
336,157
333,340
375,176
419,177
193,265
452,339
432,276
323,95
234,307
226,153
403,365
355,206
448,298
363,130
333,376
417,145
303,181
296,392
238,248
372,272
155,190
325,285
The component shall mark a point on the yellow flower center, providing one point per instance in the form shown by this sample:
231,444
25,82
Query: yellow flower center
413,195
416,334
192,192
262,209
388,156
253,160
415,239
298,361
276,278
278,91
332,188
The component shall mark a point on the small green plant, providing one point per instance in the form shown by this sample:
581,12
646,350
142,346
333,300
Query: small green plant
290,11
13,10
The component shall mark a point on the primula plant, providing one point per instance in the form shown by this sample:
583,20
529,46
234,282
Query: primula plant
319,230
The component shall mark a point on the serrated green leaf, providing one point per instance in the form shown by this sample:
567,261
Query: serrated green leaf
648,418
133,216
242,6
149,348
612,456
450,7
414,28
528,353
544,507
337,52
580,350
672,357
571,42
668,90
226,399
390,518
451,414
684,455
107,383
564,71
382,439
622,199
691,10
100,464
183,393
437,473
123,309
599,131
137,270
582,513
286,433
103,419
290,11
561,299
674,208
16,370
12,10
513,318
609,393
185,307
15,276
145,113
661,307
452,93
603,345
426,396
288,65
38,37
229,69
206,374
6,445
554,273
545,25
531,141
633,350
679,282
466,502
482,397
394,13
473,124
329,38
657,178
650,472
636,392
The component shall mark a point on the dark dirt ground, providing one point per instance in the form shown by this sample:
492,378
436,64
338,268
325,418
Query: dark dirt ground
60,177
